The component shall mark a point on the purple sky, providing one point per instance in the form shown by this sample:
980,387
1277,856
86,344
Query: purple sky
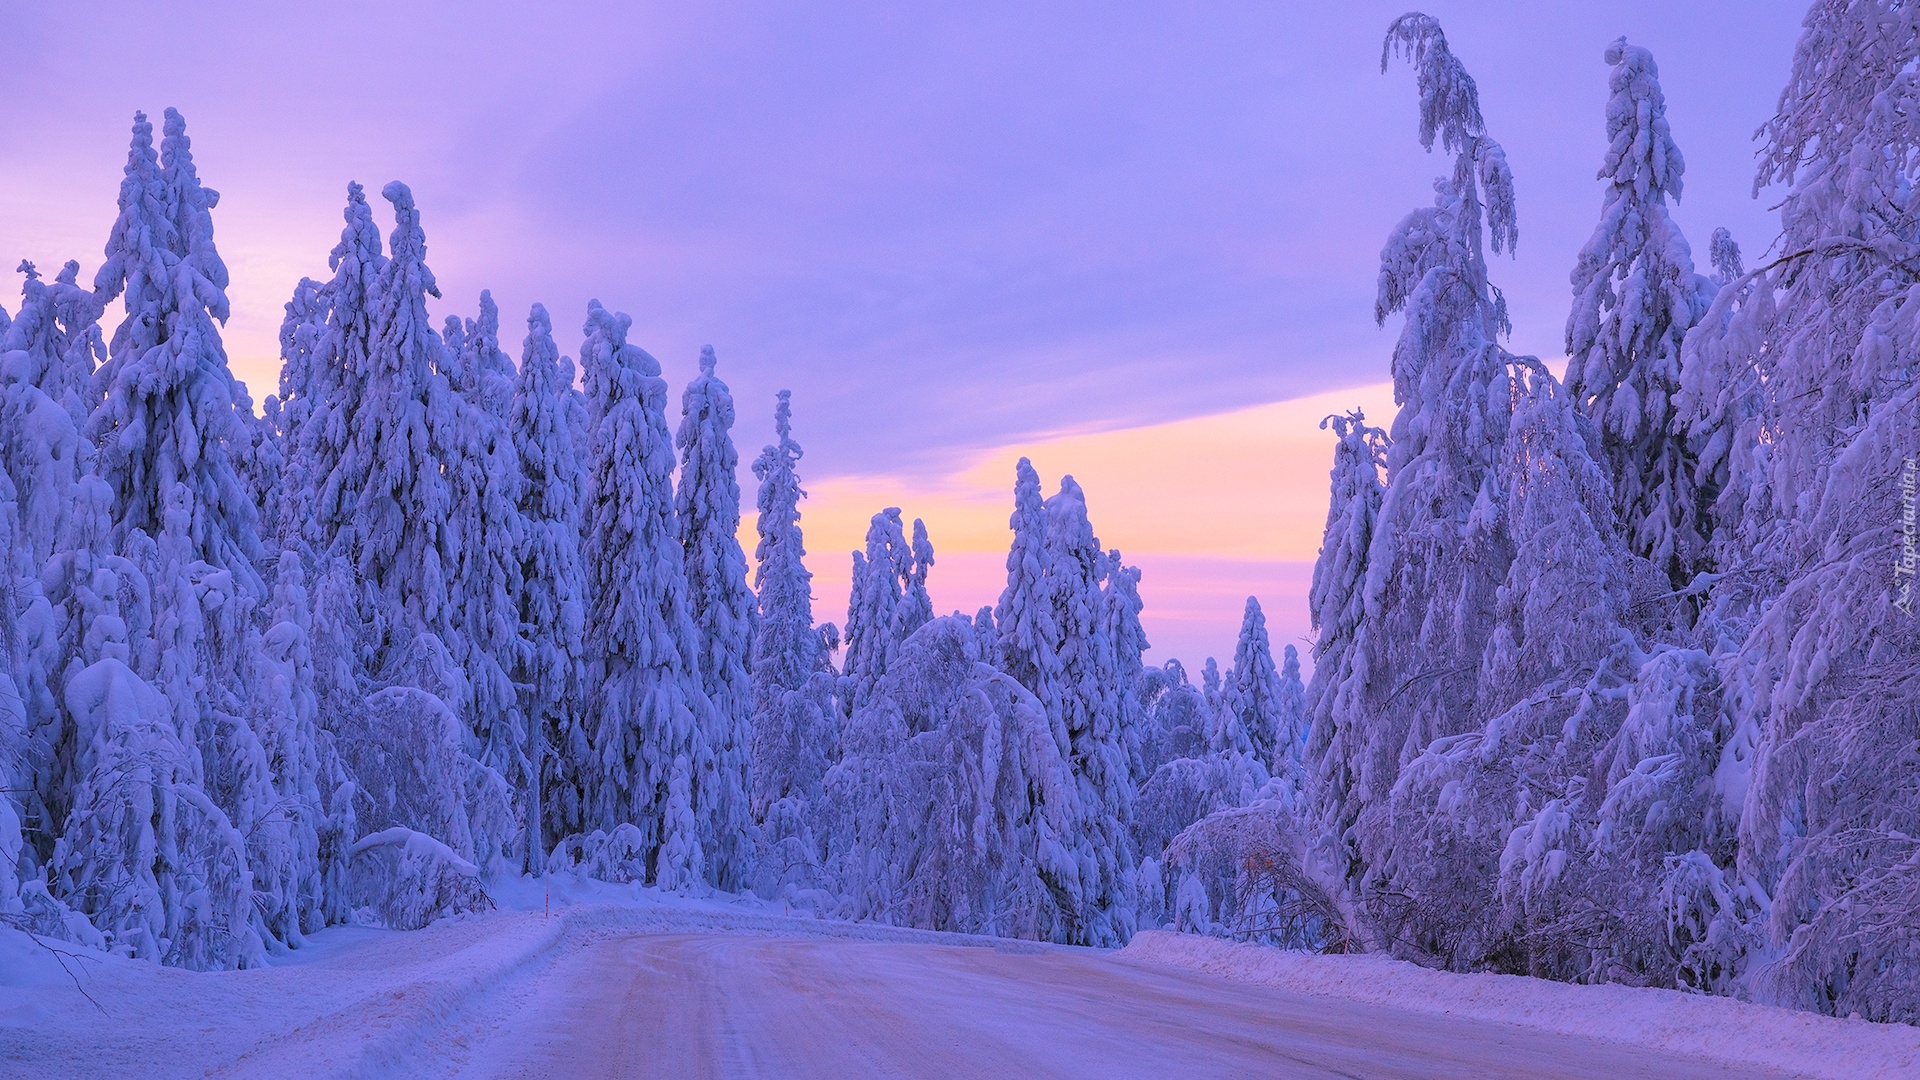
950,232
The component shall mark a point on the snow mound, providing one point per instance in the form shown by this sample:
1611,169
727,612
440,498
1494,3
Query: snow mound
1718,1028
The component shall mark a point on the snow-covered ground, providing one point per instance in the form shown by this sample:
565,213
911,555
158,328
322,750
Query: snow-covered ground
1696,1025
623,982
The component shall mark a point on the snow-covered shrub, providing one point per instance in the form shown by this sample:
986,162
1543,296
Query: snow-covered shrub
618,856
953,807
146,855
1249,872
787,858
408,879
408,756
1845,905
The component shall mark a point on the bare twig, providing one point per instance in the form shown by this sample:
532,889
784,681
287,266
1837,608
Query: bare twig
60,957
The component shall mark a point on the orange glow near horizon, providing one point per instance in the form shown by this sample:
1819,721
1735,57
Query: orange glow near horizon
1212,509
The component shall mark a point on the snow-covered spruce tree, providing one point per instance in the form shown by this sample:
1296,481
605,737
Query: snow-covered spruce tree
1458,705
549,601
171,441
648,715
795,722
390,560
396,533
1067,629
1438,551
1292,721
488,534
1635,296
1337,608
1023,620
169,412
1254,690
873,607
1817,535
1102,752
321,456
301,332
956,808
707,508
1225,732
1127,640
47,363
916,606
326,351
786,647
486,374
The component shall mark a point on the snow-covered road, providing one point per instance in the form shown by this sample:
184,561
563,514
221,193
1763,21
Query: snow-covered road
632,984
692,1006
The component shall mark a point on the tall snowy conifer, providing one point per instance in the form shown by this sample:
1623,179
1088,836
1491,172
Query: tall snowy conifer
397,534
1120,598
649,716
1412,575
301,380
1635,296
1067,629
386,606
487,535
1254,691
1099,748
1337,607
1024,619
171,434
707,508
874,621
323,457
916,606
549,603
169,414
1437,554
1293,719
794,729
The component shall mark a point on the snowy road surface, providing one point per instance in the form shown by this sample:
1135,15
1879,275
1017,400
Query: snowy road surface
655,986
711,1005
